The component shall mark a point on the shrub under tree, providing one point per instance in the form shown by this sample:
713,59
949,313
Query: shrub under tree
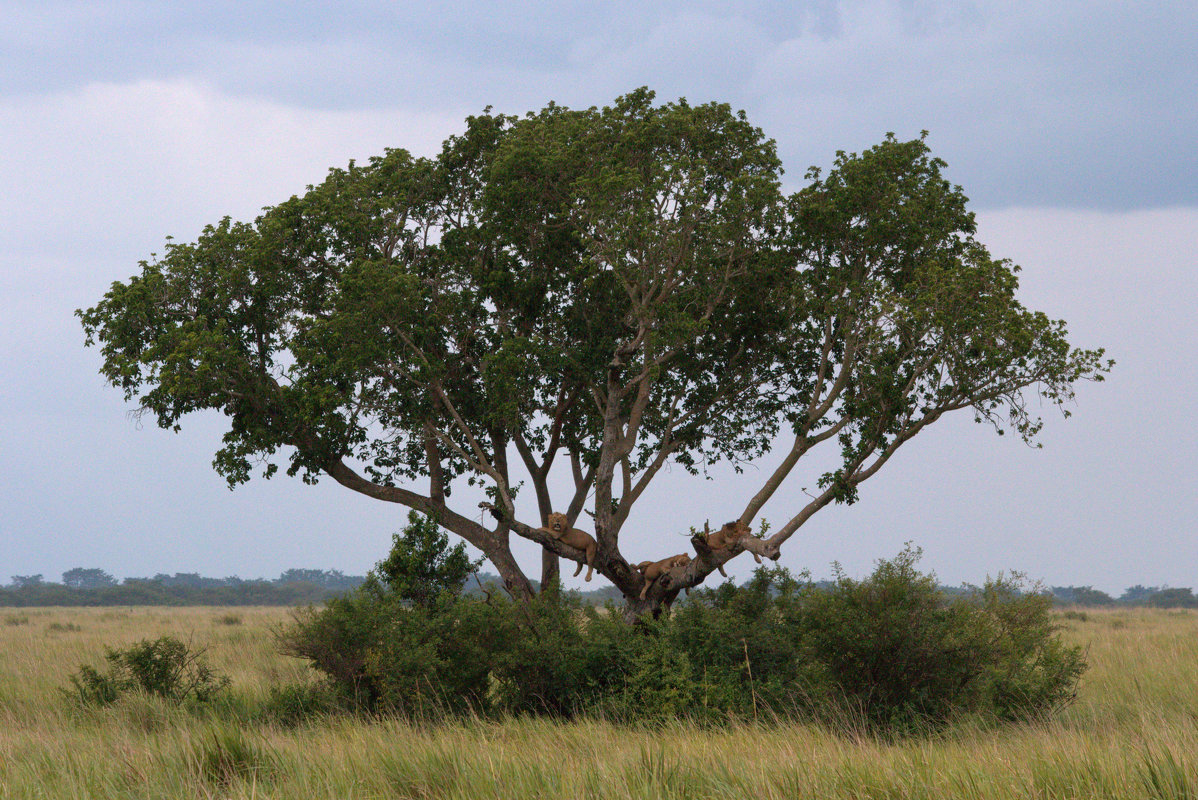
891,651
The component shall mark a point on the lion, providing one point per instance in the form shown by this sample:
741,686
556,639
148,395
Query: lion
652,570
725,537
559,528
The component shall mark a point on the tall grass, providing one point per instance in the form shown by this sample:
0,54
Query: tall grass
1133,733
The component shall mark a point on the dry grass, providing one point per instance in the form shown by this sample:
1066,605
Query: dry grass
1132,734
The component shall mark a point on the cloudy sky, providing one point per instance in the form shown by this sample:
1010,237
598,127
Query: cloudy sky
1071,125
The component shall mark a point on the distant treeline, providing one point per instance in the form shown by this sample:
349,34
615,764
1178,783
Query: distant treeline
95,587
1158,596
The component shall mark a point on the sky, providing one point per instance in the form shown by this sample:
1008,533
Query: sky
1070,125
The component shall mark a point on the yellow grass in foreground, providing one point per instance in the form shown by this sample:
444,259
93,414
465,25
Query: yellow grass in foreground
1132,734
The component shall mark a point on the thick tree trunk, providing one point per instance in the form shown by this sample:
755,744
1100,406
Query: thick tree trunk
550,569
636,608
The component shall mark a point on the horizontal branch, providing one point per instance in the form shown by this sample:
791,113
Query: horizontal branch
538,535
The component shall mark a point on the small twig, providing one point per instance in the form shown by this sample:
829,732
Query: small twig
482,589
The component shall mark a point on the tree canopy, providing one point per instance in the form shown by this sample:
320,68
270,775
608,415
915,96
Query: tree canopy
619,288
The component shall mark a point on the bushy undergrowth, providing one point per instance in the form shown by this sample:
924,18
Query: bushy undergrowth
891,651
167,667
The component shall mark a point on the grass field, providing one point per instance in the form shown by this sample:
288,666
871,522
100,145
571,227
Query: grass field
1133,732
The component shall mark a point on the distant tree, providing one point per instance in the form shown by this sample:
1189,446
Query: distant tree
1089,596
1173,598
1081,595
315,576
191,580
614,290
1138,594
92,578
329,579
336,579
26,581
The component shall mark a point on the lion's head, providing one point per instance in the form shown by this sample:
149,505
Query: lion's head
558,523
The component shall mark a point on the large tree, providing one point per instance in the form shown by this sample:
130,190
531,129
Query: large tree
607,290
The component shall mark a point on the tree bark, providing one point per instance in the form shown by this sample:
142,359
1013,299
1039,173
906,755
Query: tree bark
550,565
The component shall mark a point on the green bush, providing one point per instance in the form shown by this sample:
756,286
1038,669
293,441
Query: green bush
166,667
1030,672
431,661
406,641
891,649
905,654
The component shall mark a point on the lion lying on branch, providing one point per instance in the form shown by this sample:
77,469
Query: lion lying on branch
559,528
732,533
652,570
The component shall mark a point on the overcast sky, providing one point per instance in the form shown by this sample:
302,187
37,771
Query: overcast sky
1071,125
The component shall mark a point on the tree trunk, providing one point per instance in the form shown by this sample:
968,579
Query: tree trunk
550,566
650,608
550,569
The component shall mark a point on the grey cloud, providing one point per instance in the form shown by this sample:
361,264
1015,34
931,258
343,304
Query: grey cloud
1074,103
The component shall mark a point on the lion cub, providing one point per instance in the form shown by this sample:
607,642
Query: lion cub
652,570
560,529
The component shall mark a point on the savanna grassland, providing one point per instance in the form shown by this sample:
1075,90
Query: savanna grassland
1133,732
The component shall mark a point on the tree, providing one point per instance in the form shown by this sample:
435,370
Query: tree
93,578
1139,594
422,567
1173,598
330,579
620,288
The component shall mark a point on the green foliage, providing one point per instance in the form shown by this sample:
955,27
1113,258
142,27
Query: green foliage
891,650
541,656
903,653
403,640
166,667
1081,596
94,688
177,590
421,568
63,627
